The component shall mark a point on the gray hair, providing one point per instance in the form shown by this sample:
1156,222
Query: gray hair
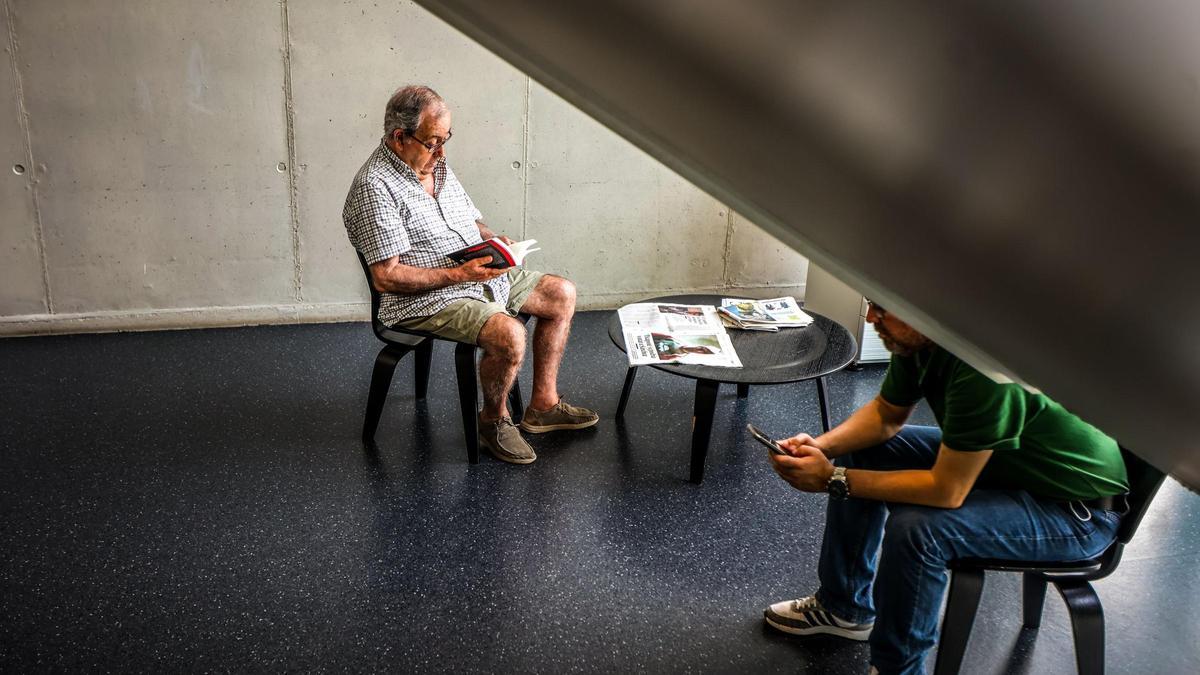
405,107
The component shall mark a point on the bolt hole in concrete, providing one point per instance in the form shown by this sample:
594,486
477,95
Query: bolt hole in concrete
281,167
18,169
516,165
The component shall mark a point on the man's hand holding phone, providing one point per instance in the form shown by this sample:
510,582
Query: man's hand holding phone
766,440
797,460
793,444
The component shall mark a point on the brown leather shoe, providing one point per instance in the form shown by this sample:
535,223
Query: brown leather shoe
504,441
563,416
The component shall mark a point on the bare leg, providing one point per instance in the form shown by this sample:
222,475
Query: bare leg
553,303
503,341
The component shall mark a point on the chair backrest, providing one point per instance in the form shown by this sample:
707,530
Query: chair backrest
375,323
1144,481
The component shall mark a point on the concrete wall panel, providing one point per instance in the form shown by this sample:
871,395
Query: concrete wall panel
615,221
347,59
21,287
759,260
160,126
190,161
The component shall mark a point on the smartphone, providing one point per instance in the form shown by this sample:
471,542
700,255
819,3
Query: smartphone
766,440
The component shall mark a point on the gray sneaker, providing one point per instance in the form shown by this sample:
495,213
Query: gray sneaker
504,441
562,417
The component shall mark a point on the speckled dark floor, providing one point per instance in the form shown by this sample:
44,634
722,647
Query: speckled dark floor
199,501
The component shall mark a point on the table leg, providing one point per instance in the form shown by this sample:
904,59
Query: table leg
629,377
706,404
743,390
823,398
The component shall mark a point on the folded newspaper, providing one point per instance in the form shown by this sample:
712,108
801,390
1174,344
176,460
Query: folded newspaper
665,333
769,315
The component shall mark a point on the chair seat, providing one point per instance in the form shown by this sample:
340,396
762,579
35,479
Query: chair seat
1032,566
1072,579
408,338
413,338
400,341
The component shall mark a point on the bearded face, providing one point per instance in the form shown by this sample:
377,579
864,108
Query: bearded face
898,337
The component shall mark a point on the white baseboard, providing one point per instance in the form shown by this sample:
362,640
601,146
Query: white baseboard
258,315
178,319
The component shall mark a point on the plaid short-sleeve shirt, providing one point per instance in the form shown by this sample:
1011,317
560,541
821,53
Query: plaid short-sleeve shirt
388,213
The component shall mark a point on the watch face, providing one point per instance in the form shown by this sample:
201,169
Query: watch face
838,489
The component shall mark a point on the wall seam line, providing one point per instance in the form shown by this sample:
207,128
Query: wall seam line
32,181
525,163
292,169
726,282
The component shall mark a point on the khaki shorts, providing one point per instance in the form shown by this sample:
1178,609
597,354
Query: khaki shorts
462,319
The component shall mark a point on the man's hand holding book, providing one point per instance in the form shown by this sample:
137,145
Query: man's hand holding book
499,252
478,270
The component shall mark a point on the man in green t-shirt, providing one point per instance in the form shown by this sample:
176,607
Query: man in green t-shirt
1006,474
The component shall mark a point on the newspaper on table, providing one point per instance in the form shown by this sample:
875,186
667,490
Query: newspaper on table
668,333
769,315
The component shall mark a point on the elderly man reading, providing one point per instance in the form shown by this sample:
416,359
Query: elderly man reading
405,212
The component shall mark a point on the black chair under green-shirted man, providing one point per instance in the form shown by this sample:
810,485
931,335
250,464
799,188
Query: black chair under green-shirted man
790,355
1072,579
397,343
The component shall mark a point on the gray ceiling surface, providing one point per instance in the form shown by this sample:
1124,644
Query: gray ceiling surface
1018,180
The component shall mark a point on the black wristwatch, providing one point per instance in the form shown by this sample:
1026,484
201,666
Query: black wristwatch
838,487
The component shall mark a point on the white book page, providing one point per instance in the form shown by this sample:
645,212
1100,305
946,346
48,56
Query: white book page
520,249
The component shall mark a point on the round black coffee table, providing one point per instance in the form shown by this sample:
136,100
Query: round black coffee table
791,355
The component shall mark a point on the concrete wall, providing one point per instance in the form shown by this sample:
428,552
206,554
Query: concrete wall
177,164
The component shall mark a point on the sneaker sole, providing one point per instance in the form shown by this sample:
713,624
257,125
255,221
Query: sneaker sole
504,457
543,428
848,633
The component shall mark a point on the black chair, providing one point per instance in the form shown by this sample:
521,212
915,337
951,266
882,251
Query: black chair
1072,579
397,343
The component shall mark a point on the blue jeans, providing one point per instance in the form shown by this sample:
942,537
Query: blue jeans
918,542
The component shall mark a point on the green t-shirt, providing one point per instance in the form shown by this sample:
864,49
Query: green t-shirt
1038,445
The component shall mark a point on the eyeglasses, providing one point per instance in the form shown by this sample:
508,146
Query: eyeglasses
432,147
878,310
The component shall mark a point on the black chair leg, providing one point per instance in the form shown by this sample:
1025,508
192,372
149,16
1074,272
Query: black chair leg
629,377
468,397
424,360
966,586
1033,587
1087,625
381,382
823,400
516,407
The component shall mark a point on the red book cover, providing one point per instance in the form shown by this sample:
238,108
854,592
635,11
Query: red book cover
502,255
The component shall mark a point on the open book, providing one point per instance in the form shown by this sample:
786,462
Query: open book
503,255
